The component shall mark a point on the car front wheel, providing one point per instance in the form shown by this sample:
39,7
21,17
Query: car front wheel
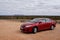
34,30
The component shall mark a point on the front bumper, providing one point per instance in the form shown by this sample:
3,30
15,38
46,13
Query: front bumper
29,29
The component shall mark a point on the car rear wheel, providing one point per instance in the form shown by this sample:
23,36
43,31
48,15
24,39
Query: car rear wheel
52,27
34,30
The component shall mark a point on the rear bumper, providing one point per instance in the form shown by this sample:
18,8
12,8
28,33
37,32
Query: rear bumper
29,29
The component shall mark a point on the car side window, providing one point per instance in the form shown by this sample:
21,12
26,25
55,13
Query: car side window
43,20
48,20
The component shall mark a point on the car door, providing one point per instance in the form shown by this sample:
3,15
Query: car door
48,23
42,25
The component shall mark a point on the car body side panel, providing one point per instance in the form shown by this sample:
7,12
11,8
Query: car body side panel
48,25
41,26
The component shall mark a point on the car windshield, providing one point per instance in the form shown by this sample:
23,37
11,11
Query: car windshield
37,20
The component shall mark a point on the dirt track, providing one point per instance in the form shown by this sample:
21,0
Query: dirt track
9,30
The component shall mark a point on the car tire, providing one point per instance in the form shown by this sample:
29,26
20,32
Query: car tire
52,27
35,30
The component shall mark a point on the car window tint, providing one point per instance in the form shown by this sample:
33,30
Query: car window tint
42,20
48,20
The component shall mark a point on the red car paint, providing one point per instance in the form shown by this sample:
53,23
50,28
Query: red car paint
41,25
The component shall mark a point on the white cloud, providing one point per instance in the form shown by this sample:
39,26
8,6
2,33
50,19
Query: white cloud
30,7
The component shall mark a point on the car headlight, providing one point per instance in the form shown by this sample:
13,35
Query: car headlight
28,26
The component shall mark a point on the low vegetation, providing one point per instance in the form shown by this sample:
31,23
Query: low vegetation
29,17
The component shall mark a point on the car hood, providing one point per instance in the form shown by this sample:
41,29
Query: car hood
28,23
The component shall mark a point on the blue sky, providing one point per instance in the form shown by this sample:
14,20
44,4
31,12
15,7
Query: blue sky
30,7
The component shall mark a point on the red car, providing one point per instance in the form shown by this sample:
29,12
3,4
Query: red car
38,24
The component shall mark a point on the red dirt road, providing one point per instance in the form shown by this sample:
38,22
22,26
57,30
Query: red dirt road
9,30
